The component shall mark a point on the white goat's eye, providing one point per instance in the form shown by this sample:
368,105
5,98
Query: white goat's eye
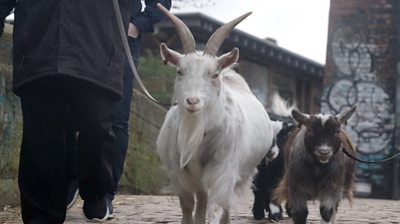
215,75
179,73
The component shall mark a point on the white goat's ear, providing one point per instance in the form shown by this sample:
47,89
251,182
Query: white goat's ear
300,117
169,56
229,58
344,116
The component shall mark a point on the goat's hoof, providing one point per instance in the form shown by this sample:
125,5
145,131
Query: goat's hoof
275,217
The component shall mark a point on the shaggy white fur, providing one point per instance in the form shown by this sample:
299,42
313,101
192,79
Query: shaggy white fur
212,147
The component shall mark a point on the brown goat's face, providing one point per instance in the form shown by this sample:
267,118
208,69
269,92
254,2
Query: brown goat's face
321,138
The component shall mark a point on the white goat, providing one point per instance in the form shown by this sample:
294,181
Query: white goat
213,138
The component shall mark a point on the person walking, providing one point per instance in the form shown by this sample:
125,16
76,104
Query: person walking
68,64
141,21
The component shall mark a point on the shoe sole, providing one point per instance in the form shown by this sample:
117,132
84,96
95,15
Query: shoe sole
97,219
73,199
110,216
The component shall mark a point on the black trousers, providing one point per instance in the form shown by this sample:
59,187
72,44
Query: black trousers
48,105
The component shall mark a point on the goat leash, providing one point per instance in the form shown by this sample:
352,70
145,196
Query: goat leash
366,161
128,53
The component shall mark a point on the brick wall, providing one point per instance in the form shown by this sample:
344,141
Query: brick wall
361,69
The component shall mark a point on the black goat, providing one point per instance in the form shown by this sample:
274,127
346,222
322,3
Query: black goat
270,173
268,176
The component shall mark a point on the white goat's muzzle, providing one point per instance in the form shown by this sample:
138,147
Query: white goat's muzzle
193,104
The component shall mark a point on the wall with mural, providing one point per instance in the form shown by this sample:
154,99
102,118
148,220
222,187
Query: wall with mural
361,70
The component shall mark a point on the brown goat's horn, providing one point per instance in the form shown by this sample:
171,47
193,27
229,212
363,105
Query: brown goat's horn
219,35
188,43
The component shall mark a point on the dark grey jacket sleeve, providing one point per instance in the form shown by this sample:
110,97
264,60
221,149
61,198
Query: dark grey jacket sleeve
151,15
5,8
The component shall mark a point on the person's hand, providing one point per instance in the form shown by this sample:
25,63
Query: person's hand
133,31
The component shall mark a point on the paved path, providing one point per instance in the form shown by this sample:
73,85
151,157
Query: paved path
133,209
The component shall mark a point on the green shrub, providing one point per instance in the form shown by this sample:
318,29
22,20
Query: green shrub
10,115
142,172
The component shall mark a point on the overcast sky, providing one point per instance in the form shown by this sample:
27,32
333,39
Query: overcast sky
299,26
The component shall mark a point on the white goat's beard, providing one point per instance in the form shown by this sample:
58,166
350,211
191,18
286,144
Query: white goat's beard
190,135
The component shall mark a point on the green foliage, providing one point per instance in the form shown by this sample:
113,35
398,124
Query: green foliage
11,135
10,115
142,172
157,77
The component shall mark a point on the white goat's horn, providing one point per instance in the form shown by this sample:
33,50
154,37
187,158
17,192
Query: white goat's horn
219,35
188,43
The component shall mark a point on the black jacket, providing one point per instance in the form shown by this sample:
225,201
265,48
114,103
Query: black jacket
76,38
145,20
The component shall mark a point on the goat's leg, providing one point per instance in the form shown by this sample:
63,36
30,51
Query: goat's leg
275,211
186,200
299,210
222,191
259,204
328,208
260,199
288,209
328,215
333,218
214,213
201,207
225,219
273,208
217,213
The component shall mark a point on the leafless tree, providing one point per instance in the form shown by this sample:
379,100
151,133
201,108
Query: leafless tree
178,4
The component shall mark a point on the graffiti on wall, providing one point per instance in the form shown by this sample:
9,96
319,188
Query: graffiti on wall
355,81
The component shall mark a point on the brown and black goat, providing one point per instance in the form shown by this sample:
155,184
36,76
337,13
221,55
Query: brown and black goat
315,166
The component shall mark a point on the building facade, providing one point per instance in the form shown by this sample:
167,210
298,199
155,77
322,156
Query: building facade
265,66
361,69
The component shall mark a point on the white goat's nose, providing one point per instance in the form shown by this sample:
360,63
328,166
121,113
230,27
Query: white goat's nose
192,100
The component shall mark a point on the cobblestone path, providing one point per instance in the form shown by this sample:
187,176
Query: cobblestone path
134,209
